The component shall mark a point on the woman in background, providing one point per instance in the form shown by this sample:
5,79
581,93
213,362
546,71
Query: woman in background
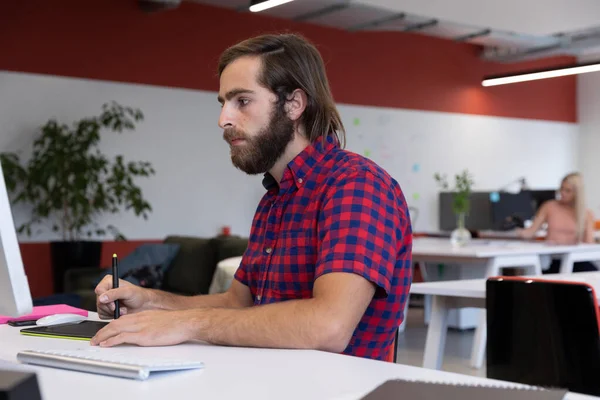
568,221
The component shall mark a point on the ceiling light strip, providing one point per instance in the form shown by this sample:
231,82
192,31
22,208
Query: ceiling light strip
264,5
531,76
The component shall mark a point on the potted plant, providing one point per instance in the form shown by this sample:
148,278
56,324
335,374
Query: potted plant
68,183
460,205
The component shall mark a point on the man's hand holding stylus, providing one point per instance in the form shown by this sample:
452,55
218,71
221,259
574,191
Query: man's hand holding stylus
132,298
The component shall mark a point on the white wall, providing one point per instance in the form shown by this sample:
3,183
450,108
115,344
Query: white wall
194,192
198,190
496,151
588,99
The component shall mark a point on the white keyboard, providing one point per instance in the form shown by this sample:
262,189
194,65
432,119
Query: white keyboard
101,361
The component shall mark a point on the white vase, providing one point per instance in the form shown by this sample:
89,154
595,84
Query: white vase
461,236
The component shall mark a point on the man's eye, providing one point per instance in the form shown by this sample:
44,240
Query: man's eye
243,102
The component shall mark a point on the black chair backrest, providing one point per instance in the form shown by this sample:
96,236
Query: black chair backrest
543,332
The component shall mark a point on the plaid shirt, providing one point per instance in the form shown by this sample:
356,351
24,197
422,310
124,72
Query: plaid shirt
333,211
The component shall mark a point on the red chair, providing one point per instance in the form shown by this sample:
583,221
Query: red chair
543,332
393,354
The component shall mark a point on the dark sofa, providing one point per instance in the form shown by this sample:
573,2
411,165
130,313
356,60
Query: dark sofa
190,272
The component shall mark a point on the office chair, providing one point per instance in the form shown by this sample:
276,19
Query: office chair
543,332
393,354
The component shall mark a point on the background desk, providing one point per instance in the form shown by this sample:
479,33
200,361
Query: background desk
230,373
467,293
490,256
484,258
498,254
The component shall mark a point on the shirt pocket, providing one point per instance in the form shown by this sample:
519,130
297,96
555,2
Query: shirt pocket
298,243
293,272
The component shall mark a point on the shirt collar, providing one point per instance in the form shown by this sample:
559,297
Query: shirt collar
298,169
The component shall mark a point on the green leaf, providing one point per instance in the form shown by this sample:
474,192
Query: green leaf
462,190
69,182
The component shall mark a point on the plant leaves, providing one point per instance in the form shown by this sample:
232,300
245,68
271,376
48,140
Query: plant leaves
69,182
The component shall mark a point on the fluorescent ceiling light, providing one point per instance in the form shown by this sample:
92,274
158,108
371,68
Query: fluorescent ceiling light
542,74
257,6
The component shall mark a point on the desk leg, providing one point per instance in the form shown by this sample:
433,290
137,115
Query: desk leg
536,266
533,266
569,259
480,339
566,264
402,326
436,334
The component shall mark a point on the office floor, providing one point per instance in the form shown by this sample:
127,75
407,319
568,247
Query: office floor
411,345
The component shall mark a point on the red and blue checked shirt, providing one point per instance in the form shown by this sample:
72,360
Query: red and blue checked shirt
333,211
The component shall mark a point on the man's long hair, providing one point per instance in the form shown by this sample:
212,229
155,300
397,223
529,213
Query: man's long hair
291,62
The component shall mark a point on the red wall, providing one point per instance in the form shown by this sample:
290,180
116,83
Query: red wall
113,40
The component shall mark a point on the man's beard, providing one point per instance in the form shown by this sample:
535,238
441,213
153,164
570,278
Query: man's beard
259,153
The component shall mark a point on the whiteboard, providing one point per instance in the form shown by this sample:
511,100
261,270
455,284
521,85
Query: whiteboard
413,145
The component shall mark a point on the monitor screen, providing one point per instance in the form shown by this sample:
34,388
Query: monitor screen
15,297
511,210
539,197
479,216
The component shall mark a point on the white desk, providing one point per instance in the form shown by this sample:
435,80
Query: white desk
493,254
484,258
481,258
466,293
498,254
230,373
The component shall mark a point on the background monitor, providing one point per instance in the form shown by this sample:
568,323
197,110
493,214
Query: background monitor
539,197
479,216
512,210
15,297
506,212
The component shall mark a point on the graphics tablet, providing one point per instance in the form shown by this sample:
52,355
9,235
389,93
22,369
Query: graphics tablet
84,330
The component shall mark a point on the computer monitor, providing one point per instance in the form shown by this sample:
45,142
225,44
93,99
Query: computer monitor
511,210
539,197
15,297
479,216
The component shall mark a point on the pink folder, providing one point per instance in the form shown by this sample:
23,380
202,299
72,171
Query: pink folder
44,311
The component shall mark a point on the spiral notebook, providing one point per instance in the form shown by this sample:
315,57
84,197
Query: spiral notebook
421,390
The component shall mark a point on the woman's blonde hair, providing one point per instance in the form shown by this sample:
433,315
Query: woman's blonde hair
576,181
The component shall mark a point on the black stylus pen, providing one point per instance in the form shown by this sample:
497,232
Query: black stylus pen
115,276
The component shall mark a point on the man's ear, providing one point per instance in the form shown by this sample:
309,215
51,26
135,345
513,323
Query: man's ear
296,104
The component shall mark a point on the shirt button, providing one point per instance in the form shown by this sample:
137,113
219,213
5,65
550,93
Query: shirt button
300,180
269,250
